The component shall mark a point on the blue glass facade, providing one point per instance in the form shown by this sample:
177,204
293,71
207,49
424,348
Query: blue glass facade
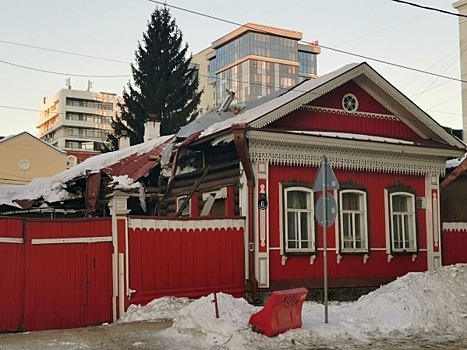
256,64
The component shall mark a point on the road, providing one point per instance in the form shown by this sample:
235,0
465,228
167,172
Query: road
144,336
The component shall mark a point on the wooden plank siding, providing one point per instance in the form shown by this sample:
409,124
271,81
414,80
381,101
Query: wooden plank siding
350,265
11,274
185,262
325,120
454,244
60,278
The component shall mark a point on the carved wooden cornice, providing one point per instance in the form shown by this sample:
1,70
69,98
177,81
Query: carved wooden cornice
306,150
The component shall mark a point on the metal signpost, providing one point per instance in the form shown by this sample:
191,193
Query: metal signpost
325,213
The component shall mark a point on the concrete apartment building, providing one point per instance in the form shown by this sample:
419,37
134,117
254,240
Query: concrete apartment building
254,61
77,119
461,6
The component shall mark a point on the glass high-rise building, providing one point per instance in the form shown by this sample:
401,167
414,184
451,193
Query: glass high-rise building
254,61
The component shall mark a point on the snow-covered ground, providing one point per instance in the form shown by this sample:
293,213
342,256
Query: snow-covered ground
431,306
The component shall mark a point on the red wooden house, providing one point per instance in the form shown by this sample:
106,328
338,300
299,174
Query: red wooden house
387,155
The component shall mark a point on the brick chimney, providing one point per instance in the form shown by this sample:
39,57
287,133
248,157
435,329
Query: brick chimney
124,140
152,127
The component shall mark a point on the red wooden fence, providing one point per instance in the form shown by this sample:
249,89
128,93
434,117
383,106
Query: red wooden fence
195,259
58,273
454,243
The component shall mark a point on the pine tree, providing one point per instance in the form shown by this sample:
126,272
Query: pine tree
165,83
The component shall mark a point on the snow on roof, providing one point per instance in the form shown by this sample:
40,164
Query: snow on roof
351,136
294,92
453,163
53,189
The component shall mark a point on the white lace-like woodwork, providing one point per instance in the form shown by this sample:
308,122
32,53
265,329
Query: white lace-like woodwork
299,150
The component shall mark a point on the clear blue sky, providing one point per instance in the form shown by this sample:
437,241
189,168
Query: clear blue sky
111,29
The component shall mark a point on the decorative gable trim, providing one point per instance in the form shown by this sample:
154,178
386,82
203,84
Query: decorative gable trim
403,106
306,98
341,111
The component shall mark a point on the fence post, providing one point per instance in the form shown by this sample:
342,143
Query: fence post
118,211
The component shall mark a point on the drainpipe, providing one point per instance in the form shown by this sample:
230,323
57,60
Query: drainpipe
239,132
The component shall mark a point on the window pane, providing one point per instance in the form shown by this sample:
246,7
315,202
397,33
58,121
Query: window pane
351,201
304,229
399,204
359,238
292,230
297,200
397,232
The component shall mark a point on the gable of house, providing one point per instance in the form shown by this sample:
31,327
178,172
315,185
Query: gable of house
327,113
24,157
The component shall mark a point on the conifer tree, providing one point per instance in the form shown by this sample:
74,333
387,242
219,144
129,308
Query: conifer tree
164,82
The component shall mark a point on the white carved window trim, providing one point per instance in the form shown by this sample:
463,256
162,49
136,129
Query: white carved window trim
309,212
407,239
362,212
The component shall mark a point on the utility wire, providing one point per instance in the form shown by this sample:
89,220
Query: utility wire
236,80
430,8
62,51
313,44
66,74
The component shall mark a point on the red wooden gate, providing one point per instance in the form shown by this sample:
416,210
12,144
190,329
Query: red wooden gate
11,274
64,268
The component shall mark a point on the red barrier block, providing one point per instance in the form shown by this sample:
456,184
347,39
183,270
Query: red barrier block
282,312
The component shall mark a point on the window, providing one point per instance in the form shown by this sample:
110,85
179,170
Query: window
402,222
73,132
353,221
350,103
186,209
299,235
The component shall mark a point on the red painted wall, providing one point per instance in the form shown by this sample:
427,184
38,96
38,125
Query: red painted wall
351,266
307,120
185,263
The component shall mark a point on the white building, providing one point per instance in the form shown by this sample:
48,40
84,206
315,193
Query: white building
461,6
77,119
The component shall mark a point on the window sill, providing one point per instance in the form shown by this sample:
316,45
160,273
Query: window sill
354,251
299,253
411,251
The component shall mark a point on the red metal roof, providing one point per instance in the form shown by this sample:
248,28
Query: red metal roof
136,165
80,155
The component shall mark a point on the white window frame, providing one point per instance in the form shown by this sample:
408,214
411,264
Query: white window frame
363,213
409,217
310,224
186,211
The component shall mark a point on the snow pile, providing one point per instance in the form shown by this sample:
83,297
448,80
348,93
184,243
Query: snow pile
434,302
429,305
166,308
200,318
